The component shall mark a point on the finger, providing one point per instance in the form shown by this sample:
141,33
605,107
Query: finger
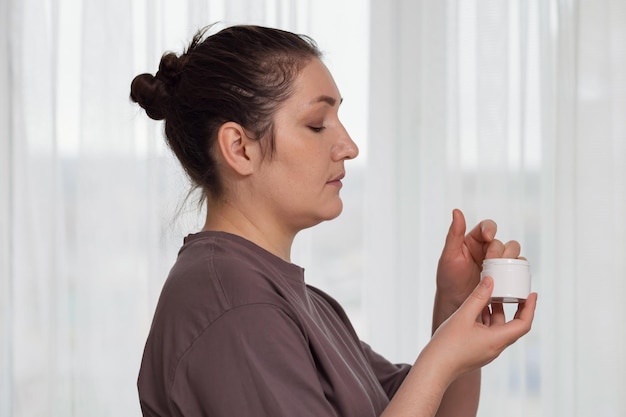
477,300
512,249
456,233
486,316
522,323
497,314
526,310
475,240
495,249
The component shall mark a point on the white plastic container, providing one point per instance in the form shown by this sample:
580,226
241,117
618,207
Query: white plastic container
511,279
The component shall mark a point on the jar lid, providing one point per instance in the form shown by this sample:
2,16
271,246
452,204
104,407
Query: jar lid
505,261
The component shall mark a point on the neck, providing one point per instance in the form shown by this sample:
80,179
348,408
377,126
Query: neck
227,217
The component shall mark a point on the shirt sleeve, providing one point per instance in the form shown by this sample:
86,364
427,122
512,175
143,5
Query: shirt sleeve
252,361
390,375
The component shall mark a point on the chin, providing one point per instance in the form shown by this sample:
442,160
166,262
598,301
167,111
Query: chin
329,214
334,211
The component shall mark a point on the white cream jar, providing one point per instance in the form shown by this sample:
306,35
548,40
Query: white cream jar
511,279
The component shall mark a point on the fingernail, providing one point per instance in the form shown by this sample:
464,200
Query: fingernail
486,282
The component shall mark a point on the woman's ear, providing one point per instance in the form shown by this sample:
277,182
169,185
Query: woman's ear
238,150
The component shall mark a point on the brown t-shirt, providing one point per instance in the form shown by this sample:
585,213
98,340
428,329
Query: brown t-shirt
238,333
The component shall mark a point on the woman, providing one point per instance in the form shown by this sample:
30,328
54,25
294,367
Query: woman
252,115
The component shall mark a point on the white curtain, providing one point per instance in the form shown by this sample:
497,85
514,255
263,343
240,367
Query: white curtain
516,111
510,110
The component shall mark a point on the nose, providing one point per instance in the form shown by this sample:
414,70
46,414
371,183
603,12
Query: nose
345,147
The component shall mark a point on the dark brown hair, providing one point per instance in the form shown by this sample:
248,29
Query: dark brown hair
240,74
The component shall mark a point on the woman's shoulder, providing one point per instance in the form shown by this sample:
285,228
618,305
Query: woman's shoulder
220,271
230,257
215,274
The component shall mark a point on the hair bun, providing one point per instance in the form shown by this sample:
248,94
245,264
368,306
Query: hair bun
169,71
153,92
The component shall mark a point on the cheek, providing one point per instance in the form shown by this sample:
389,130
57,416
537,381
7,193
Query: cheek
302,162
306,165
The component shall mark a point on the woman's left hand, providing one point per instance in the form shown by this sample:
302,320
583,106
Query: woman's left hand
461,261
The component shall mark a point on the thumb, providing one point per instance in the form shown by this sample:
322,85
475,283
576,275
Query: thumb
478,299
456,234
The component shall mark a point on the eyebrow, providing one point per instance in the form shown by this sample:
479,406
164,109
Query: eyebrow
326,99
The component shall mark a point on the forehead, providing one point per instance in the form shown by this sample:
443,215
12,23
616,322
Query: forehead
315,85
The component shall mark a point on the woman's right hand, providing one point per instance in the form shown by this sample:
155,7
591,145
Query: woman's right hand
470,338
476,334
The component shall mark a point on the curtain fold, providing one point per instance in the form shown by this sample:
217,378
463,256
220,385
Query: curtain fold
6,212
512,111
598,206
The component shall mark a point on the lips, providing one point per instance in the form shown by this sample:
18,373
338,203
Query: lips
337,179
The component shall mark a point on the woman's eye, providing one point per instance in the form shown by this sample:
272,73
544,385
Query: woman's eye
317,129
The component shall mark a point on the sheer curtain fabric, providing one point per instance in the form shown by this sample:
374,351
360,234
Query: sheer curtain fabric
508,110
513,111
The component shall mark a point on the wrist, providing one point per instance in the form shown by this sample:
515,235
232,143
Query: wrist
448,303
432,365
450,299
455,292
423,388
444,306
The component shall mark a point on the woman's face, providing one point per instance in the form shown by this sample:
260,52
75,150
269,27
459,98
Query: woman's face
300,183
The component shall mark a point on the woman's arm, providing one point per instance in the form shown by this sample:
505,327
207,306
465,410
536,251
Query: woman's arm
443,391
459,347
457,274
462,396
